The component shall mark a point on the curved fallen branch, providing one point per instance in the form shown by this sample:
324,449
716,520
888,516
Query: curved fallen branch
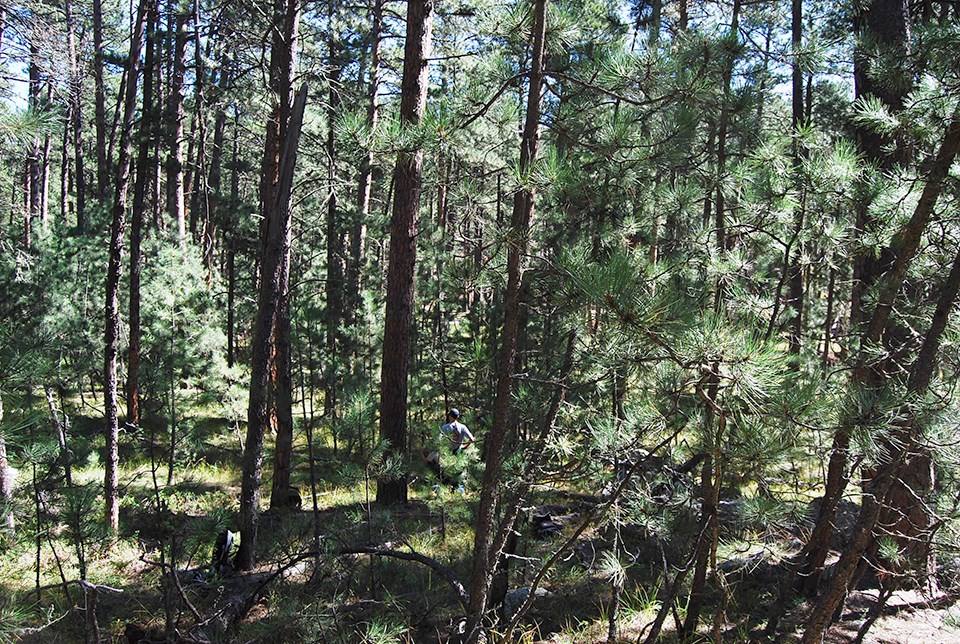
445,573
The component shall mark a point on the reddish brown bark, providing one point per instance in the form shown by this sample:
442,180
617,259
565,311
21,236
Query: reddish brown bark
407,177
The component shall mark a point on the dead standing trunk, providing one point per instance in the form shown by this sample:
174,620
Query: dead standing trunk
407,177
112,309
484,557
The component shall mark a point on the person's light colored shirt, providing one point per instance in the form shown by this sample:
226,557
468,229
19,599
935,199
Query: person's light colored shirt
457,433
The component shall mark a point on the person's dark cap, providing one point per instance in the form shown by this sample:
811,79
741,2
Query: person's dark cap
454,412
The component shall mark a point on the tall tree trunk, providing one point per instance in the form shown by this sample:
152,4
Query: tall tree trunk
484,560
144,170
216,159
66,186
177,23
886,23
283,394
283,364
200,214
112,309
723,126
334,311
280,154
45,169
794,268
407,177
100,103
231,254
75,117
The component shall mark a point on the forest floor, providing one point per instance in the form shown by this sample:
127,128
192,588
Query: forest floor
909,618
302,593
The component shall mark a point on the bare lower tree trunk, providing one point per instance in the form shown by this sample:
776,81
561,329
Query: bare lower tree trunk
484,560
271,287
283,395
112,314
407,177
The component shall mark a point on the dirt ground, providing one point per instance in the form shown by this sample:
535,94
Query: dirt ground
908,618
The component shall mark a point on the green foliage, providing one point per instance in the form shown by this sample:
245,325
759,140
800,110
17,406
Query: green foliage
14,621
182,332
381,631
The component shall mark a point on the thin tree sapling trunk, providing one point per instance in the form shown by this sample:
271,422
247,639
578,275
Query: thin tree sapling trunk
484,559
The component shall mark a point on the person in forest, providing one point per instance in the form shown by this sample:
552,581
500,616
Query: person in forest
456,432
458,438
